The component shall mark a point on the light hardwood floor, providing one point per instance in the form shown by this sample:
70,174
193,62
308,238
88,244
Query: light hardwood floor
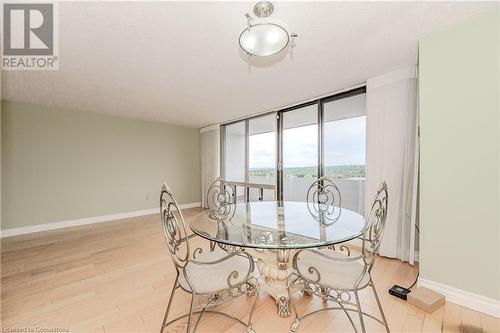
117,277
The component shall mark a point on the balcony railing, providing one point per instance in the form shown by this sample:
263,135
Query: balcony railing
352,190
246,189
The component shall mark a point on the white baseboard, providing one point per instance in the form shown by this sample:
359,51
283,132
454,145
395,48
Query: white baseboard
464,298
188,205
87,220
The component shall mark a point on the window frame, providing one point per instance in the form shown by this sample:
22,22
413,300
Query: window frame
320,102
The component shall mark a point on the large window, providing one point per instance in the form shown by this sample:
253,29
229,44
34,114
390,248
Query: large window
344,133
250,153
293,147
262,150
300,151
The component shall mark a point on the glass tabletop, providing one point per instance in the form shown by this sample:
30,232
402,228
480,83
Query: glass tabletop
278,225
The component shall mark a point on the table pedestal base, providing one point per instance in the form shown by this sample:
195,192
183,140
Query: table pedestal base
275,267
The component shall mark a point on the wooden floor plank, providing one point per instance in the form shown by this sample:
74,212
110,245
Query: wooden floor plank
489,324
452,318
471,321
117,277
433,321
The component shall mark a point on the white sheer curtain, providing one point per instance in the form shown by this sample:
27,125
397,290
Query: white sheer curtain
210,158
392,155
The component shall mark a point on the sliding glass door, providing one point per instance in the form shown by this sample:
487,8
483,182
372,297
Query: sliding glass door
300,151
291,148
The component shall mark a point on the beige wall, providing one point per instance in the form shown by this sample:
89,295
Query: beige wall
59,165
460,149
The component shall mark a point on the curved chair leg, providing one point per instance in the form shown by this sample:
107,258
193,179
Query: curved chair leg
348,317
379,306
174,288
199,318
191,308
360,312
296,321
249,324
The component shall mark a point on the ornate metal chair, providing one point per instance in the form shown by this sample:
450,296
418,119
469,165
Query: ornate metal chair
212,278
220,197
324,201
220,202
337,277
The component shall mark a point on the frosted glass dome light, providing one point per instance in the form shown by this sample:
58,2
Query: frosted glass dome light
263,37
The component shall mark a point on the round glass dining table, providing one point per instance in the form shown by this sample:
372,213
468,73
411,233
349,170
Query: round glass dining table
272,231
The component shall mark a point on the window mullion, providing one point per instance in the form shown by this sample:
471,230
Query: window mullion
247,152
279,156
321,137
223,151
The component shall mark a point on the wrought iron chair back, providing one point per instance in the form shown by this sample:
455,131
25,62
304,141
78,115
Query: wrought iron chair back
220,197
375,225
239,281
174,229
324,201
307,276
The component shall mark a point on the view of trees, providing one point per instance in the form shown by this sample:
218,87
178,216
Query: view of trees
337,171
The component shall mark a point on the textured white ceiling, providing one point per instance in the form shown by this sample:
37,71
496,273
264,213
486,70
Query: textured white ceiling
179,62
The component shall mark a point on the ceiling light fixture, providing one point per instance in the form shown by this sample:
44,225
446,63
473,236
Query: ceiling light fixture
263,36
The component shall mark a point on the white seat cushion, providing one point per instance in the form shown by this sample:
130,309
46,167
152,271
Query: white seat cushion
334,274
207,279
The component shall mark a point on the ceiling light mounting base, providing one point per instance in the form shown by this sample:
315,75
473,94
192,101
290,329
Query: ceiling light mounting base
263,9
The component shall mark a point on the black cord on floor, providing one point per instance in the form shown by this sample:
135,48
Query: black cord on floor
418,273
414,282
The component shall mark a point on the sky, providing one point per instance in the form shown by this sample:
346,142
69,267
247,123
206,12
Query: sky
345,142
